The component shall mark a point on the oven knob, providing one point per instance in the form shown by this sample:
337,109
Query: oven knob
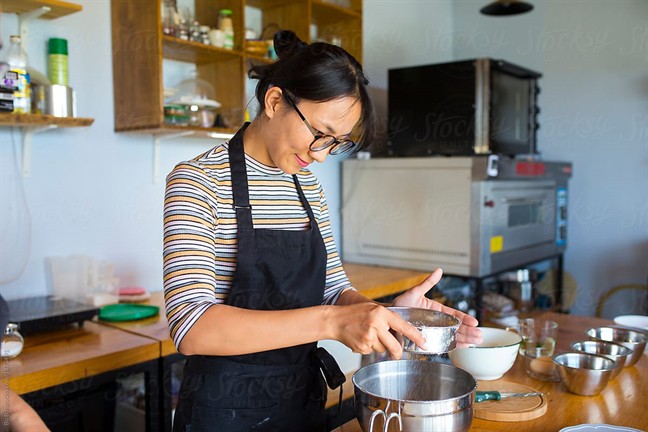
489,203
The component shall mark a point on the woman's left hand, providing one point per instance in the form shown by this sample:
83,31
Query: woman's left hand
415,297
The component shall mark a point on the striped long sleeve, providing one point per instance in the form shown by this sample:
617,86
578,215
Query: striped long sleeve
200,246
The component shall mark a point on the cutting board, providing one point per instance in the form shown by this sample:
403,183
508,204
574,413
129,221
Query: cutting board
510,409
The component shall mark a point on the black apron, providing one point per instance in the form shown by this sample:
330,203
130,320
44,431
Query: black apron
278,390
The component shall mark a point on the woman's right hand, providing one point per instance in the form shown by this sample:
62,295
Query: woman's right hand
364,327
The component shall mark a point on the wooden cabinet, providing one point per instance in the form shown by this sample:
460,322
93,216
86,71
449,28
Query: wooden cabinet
139,48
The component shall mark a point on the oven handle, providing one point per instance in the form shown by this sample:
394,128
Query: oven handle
537,198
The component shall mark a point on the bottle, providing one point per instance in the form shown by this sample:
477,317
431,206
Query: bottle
225,24
17,60
58,61
12,342
170,17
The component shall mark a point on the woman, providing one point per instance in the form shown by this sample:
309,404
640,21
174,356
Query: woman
252,276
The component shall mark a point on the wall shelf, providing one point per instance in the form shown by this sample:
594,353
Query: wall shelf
31,124
194,52
35,120
57,8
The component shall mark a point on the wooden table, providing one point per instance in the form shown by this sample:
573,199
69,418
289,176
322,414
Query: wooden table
375,282
66,366
622,402
57,357
371,281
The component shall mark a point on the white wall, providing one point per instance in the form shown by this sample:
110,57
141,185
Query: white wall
594,102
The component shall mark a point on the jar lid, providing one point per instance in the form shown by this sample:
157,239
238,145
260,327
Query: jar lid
225,12
58,46
12,327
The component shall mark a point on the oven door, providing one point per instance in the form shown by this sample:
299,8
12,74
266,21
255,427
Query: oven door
517,214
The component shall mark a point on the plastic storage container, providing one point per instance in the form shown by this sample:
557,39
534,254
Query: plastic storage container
197,96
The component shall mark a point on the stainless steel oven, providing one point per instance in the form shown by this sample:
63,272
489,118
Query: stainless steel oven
472,216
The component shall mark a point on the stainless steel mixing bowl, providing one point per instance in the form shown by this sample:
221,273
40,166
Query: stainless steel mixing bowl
634,340
420,395
439,329
584,374
613,351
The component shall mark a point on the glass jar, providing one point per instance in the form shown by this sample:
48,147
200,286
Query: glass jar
12,342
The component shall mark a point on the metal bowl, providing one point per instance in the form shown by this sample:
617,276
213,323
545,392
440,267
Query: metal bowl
415,395
584,374
634,340
438,328
613,351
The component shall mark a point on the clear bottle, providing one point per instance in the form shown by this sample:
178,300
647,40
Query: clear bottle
225,24
170,18
17,60
12,342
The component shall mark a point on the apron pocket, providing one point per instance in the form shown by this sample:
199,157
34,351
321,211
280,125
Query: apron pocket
208,419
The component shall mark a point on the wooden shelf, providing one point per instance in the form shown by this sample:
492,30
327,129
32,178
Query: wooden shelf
259,59
139,44
333,12
58,8
193,131
194,52
20,120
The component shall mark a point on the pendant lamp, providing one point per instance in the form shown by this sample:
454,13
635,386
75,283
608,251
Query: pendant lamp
506,7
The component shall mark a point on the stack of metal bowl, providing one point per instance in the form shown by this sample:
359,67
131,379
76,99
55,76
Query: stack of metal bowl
634,340
613,351
598,360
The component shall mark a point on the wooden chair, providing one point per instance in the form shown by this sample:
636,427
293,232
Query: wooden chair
638,292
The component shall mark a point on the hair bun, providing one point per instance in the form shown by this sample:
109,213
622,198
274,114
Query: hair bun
286,42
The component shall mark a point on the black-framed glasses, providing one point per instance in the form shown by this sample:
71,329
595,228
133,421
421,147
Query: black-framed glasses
322,141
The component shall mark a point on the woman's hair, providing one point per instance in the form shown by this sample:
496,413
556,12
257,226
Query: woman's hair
318,72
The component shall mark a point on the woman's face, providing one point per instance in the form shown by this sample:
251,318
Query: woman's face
287,143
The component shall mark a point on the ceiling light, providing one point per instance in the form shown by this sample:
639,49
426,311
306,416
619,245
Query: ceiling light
506,7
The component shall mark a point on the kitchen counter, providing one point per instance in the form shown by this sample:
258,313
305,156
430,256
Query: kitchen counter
371,281
57,357
622,402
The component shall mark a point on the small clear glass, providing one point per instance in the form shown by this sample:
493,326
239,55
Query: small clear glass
12,342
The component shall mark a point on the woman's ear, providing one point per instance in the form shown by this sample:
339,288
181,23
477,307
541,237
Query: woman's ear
272,100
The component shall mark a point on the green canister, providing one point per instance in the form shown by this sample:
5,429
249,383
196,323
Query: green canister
58,61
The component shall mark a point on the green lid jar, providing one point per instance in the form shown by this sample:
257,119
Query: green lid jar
58,61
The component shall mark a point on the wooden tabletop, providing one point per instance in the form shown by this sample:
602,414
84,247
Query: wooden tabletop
622,402
156,327
61,356
375,282
371,281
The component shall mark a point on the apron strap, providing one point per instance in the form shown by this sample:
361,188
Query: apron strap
240,193
305,202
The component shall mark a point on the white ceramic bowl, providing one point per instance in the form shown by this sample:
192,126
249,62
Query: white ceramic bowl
492,358
635,321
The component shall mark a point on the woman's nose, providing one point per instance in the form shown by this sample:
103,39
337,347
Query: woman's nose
319,156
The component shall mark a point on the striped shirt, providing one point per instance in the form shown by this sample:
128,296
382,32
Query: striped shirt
200,243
